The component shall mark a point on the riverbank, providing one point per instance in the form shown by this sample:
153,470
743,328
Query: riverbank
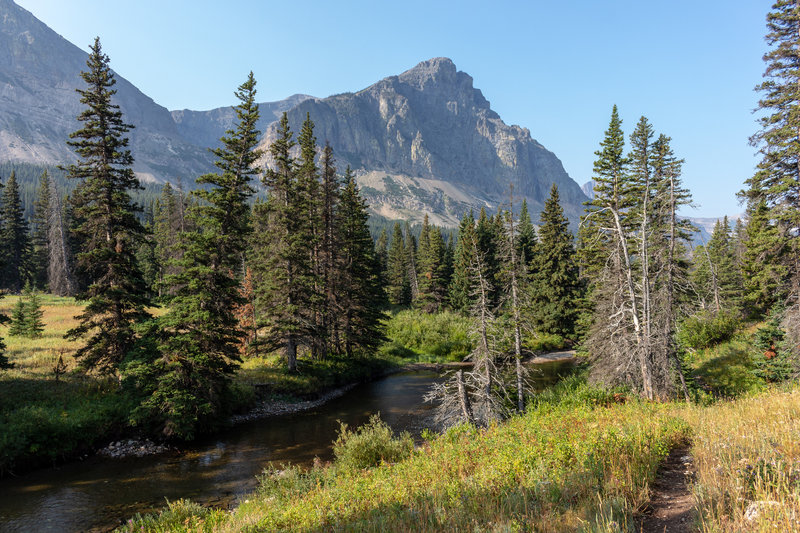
561,466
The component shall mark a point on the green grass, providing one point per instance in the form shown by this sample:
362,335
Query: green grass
43,420
270,375
557,468
432,338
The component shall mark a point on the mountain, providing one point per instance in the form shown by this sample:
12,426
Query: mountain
204,128
39,71
427,141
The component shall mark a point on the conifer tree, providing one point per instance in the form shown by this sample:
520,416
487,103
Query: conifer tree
513,273
17,327
764,273
411,262
433,275
187,382
607,253
554,287
34,325
106,224
40,252
14,237
461,283
717,276
307,211
59,265
397,285
382,251
360,295
487,238
776,183
284,277
526,237
329,246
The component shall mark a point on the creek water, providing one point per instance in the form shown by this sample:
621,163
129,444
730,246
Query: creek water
98,494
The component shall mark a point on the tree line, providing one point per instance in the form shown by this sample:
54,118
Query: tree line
297,270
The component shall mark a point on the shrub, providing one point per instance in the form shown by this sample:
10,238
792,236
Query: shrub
430,337
707,329
731,372
545,342
370,444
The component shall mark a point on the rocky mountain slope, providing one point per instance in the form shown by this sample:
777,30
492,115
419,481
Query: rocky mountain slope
428,141
204,128
425,141
39,71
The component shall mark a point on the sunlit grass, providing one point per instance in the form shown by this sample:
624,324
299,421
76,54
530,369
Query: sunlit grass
747,455
557,468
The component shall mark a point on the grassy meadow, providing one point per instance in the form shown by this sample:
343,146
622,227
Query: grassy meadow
44,419
560,467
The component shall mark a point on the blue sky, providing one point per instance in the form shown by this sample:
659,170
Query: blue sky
553,67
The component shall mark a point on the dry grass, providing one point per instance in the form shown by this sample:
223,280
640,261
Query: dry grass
36,357
747,455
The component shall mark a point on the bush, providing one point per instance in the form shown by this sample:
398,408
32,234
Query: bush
429,337
545,342
707,329
731,372
370,444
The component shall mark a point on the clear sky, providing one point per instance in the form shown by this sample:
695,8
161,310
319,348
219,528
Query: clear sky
553,67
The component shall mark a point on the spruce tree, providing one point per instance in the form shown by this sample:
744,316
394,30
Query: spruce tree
14,237
34,325
554,288
307,213
433,269
776,183
412,268
59,265
282,257
461,283
397,286
187,382
17,327
526,235
40,252
329,246
360,295
382,250
106,224
487,239
763,271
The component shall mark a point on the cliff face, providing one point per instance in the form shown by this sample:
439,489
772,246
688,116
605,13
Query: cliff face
204,128
39,72
427,140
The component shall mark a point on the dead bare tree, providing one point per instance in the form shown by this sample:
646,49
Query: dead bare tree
59,272
478,396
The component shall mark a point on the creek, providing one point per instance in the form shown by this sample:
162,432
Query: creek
97,494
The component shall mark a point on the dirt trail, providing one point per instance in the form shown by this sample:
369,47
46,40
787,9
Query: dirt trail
671,507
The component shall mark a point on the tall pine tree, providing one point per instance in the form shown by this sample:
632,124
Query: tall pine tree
186,384
776,183
554,288
14,237
107,226
360,295
397,284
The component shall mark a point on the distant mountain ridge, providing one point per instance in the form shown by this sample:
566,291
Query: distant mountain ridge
427,141
423,142
39,71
